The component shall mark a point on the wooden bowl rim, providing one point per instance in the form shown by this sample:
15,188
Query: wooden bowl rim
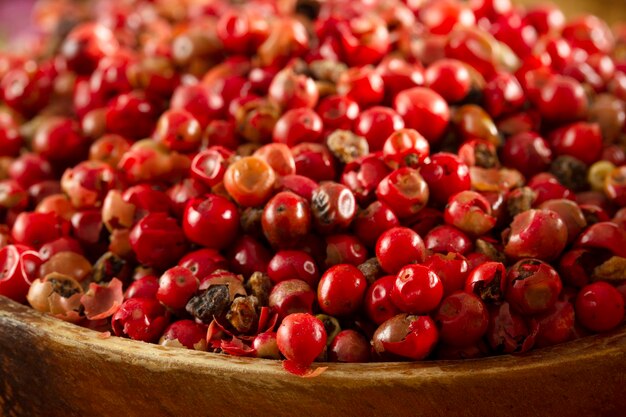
154,356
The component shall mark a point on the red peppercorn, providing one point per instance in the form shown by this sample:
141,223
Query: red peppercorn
425,111
405,336
298,126
247,256
397,247
301,338
20,266
527,152
370,223
286,219
488,281
290,264
536,234
450,78
376,124
445,175
179,131
176,287
36,229
405,147
144,287
344,249
444,239
417,289
314,161
185,333
291,296
341,290
557,325
509,332
363,85
250,181
470,212
141,319
532,286
462,318
203,262
378,304
349,346
212,221
157,241
279,157
333,207
599,307
452,269
404,191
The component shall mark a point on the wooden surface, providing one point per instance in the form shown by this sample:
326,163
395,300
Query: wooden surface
51,368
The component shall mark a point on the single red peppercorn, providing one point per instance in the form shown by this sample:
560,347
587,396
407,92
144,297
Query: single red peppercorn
417,289
599,307
341,290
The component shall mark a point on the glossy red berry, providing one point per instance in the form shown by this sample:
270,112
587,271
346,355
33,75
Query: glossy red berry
349,346
363,85
286,219
532,286
86,45
397,247
404,191
158,241
488,281
582,141
405,147
425,111
376,124
450,78
445,175
293,264
36,229
247,256
19,267
417,289
370,223
141,319
298,126
470,212
536,234
527,152
333,207
176,287
452,269
378,304
338,112
405,336
179,131
315,161
462,318
131,115
185,334
445,238
301,338
599,307
144,287
212,221
291,296
341,290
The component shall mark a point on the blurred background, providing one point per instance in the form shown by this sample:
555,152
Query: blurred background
16,16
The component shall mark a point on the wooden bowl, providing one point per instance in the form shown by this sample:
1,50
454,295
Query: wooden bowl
52,368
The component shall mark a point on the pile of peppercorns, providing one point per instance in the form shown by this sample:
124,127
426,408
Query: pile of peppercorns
317,180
